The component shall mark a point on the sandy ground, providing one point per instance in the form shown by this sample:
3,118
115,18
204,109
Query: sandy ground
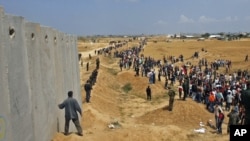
136,119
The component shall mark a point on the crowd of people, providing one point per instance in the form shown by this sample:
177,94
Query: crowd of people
202,82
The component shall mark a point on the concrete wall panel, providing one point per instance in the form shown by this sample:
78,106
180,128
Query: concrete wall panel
61,91
68,69
18,79
5,130
33,36
48,78
64,59
53,105
75,68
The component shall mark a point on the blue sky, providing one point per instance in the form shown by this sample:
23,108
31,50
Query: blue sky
128,17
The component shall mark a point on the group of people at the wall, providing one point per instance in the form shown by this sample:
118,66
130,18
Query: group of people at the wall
88,86
71,105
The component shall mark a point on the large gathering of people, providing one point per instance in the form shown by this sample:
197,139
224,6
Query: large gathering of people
202,82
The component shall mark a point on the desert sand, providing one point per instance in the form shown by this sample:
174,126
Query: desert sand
132,116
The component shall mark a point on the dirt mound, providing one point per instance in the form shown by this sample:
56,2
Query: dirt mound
186,114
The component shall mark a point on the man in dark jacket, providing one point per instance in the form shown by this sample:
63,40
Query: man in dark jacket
185,86
148,91
97,63
71,107
88,88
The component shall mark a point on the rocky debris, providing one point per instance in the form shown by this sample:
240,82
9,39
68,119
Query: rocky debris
114,125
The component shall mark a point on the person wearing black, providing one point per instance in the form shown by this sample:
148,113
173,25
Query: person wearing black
94,77
148,91
90,56
159,75
97,63
137,71
121,65
88,88
87,66
153,77
185,86
246,58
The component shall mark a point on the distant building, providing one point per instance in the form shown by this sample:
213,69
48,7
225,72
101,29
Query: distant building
201,39
170,36
189,36
215,36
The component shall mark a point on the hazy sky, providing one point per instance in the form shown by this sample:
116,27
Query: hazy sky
113,17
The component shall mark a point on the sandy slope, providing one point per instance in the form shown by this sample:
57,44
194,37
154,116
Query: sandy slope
142,120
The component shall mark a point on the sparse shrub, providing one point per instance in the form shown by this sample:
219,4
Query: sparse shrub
127,87
112,71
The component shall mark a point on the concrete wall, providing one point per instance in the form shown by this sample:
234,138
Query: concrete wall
38,66
5,126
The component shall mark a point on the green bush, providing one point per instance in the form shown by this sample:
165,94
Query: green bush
127,87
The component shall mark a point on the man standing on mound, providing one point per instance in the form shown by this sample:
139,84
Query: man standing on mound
71,107
171,94
148,91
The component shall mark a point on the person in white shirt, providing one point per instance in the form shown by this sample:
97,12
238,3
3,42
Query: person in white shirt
229,99
217,107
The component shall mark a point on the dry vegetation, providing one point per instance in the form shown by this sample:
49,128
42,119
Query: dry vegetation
120,96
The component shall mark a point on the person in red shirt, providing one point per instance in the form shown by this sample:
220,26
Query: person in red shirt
220,121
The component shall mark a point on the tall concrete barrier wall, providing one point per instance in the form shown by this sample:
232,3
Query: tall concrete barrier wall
5,114
38,66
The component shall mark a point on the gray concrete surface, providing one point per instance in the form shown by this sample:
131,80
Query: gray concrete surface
38,66
5,126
